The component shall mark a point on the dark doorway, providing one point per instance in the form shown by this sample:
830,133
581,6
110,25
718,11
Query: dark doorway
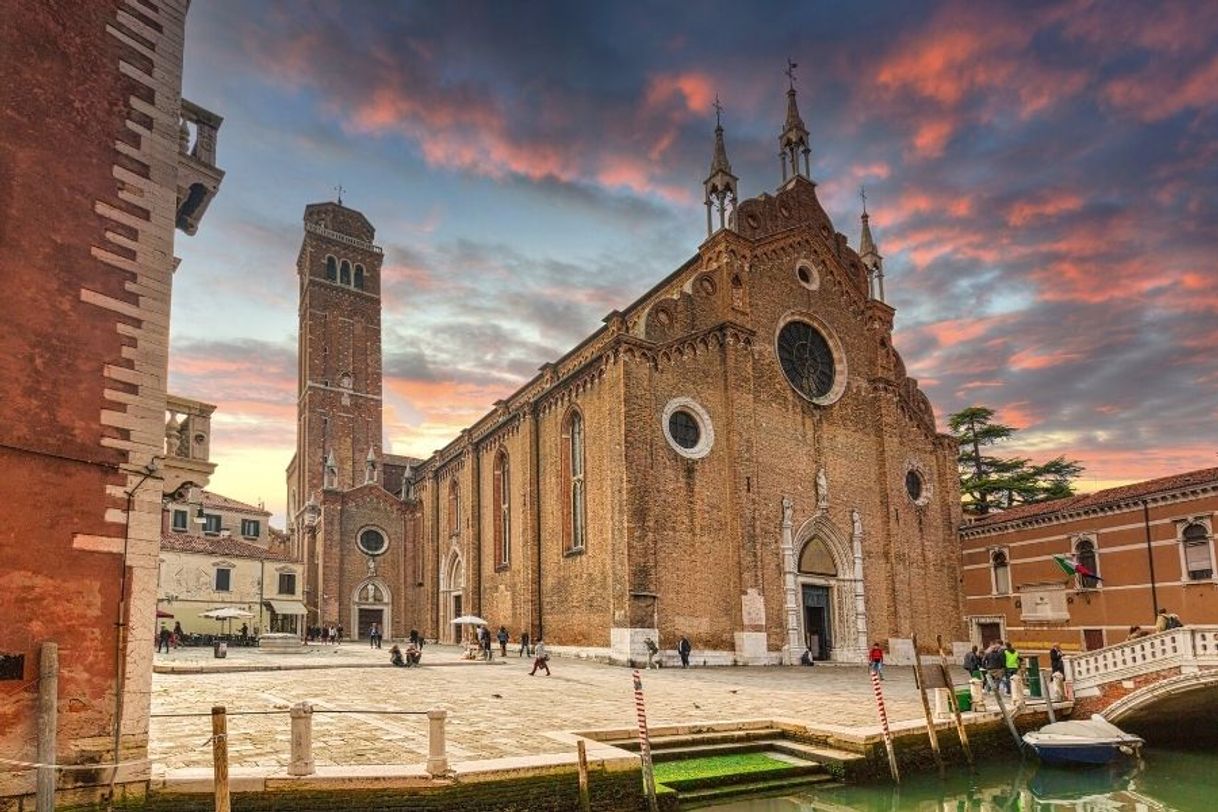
817,622
1093,639
369,616
989,632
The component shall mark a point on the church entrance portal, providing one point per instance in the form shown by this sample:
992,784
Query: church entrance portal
370,603
817,621
452,583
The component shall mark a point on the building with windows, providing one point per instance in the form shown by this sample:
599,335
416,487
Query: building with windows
1149,545
200,572
102,162
738,456
202,512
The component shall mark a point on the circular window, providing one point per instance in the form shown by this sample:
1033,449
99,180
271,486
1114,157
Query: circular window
913,485
683,428
372,541
707,285
687,428
807,277
806,360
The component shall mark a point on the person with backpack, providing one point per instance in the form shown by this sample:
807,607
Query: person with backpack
994,664
972,663
1167,621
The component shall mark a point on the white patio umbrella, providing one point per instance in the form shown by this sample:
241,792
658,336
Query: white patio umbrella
226,613
468,620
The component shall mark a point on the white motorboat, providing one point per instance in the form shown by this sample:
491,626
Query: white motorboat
1082,741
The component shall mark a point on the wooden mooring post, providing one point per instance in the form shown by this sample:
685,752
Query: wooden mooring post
879,706
219,756
585,798
955,705
931,733
48,724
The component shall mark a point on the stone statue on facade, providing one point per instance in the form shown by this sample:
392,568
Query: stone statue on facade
788,508
857,521
822,490
371,567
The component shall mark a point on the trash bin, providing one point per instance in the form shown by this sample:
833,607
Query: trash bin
221,650
1034,688
964,699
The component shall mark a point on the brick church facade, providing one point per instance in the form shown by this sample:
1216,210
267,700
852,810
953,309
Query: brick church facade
738,456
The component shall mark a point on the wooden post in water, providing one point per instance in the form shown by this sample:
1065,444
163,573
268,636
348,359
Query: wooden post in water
585,798
1002,706
48,724
219,756
931,733
649,779
955,706
879,705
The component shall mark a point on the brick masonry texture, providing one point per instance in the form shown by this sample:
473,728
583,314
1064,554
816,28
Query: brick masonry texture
89,101
676,542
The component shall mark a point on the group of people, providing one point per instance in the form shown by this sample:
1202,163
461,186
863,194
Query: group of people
167,638
412,656
684,647
332,633
375,635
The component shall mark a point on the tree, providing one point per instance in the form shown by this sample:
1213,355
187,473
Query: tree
995,483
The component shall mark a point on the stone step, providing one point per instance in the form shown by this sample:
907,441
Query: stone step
790,772
807,752
696,739
754,789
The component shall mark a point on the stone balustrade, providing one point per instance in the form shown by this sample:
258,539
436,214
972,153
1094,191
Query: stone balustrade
1188,648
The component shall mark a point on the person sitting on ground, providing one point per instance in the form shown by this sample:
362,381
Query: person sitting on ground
413,655
395,656
806,657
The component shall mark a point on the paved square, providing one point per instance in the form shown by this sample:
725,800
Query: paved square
494,710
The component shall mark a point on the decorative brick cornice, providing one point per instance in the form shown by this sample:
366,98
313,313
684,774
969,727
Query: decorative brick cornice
346,239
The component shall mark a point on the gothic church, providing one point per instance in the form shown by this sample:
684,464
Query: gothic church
738,456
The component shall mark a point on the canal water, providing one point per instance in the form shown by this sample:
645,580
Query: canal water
1166,780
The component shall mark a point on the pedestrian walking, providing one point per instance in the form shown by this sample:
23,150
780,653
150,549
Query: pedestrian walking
875,659
972,663
484,641
338,634
1057,663
683,649
502,636
162,639
994,664
541,658
524,643
1010,664
652,651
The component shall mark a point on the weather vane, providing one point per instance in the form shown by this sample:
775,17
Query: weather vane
339,188
863,194
718,111
790,71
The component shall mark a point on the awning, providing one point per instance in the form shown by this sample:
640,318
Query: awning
287,607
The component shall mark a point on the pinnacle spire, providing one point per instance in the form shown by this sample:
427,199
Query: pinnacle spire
869,253
794,139
720,184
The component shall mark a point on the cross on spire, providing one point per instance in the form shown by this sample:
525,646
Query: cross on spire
790,71
339,188
718,111
863,194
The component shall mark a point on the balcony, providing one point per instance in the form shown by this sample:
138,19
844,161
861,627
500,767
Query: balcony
187,443
198,176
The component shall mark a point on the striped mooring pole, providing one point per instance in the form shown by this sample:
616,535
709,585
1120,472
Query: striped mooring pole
649,779
879,704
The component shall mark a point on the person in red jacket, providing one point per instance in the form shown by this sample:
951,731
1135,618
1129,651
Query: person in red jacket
876,659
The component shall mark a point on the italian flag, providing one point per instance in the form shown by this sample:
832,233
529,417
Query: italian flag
1072,567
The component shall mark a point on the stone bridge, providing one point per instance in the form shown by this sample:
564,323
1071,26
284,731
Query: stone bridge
1164,685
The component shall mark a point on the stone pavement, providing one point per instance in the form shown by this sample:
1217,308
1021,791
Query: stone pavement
495,710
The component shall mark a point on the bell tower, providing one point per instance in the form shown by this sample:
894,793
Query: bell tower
339,358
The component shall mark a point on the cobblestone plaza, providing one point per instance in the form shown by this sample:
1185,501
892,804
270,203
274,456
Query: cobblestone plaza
495,710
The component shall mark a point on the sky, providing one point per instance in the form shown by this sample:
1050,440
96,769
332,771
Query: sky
1042,180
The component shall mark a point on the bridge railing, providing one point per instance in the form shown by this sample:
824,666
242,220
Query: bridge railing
1187,647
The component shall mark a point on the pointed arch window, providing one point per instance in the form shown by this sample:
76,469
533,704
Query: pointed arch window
501,497
1000,568
344,273
359,277
331,269
454,508
573,483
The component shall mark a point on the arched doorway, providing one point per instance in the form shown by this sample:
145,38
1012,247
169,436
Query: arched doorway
452,593
828,593
371,603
